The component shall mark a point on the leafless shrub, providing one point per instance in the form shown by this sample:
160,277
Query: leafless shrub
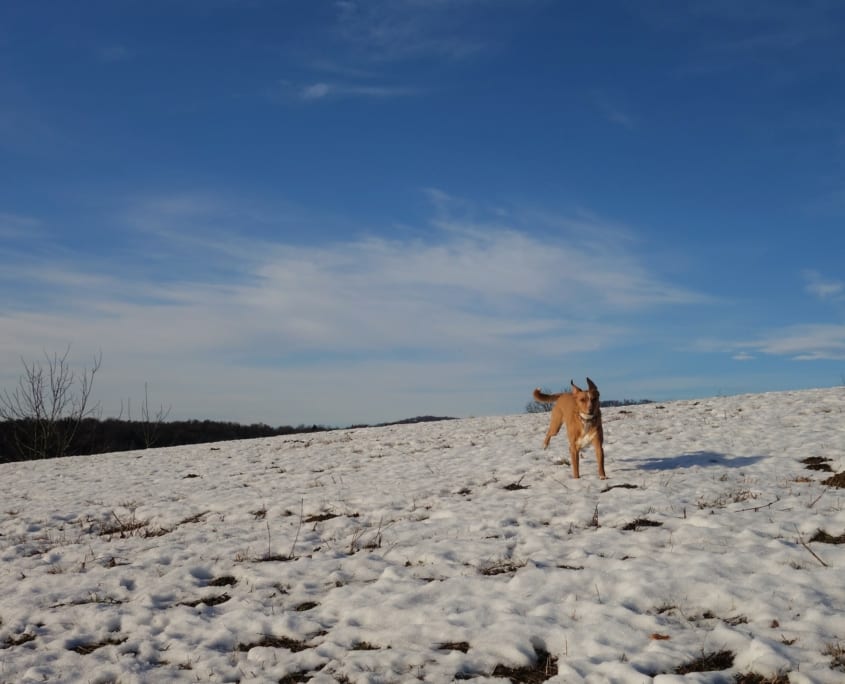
150,424
726,498
48,405
836,652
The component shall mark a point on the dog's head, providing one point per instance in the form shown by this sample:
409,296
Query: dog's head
587,400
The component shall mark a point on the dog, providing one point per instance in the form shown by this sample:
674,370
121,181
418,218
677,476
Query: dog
580,411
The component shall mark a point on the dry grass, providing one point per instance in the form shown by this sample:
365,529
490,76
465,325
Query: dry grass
639,523
87,648
24,638
270,641
707,662
461,646
544,667
207,600
836,652
501,567
754,678
130,527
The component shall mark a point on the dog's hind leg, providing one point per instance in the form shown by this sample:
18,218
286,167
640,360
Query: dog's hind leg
554,427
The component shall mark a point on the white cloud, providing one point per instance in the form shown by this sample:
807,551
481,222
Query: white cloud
367,322
320,91
388,31
114,53
16,226
823,288
610,108
316,91
805,342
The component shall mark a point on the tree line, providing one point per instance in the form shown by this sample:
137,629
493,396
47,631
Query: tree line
95,436
49,414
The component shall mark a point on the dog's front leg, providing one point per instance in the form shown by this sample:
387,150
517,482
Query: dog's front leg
574,456
599,449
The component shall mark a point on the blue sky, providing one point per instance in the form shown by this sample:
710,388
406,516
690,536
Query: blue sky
341,212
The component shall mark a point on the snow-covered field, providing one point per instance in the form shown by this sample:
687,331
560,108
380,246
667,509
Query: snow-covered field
439,551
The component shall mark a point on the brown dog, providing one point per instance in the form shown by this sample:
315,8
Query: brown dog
580,410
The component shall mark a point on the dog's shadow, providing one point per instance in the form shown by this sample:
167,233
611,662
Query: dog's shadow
702,459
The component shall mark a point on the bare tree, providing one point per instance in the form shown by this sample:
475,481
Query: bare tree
535,406
48,405
151,424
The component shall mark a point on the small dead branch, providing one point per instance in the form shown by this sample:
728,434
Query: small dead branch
298,528
757,508
516,486
812,553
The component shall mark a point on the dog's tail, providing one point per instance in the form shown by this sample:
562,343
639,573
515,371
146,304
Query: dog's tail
545,398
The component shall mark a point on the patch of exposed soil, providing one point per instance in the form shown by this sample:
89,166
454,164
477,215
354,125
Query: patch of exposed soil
501,568
754,678
825,538
320,517
461,646
640,523
708,662
817,463
85,649
837,480
270,641
208,601
544,667
620,486
17,640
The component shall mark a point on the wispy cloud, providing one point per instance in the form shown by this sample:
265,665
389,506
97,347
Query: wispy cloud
725,35
610,107
17,226
806,342
386,30
465,297
743,356
324,90
365,41
114,53
802,342
823,288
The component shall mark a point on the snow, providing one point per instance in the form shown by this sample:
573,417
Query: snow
438,550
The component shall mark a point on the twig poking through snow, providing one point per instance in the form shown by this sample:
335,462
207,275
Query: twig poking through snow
813,553
298,528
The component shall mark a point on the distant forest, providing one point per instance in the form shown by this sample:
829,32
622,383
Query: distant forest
95,436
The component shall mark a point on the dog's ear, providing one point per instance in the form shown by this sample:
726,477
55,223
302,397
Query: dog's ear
591,384
575,387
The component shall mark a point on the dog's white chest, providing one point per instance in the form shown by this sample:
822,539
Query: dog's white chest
586,439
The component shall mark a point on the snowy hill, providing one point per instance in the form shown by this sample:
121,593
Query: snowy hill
440,551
